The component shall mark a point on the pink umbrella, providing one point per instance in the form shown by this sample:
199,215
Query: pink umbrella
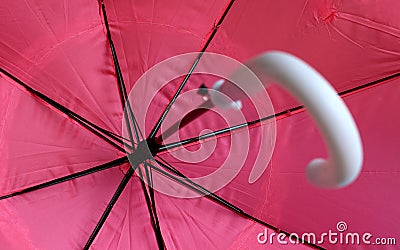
72,177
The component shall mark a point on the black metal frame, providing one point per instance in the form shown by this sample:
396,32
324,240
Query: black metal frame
109,207
106,135
130,119
196,61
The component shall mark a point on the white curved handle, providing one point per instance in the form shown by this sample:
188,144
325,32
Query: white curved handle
326,107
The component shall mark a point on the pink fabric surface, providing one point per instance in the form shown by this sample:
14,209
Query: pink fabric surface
60,48
369,204
58,217
348,42
284,198
207,225
128,226
146,33
38,144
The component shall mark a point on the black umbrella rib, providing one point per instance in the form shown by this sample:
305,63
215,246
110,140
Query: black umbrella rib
213,197
182,179
92,170
172,145
121,84
109,207
187,76
100,132
369,85
150,202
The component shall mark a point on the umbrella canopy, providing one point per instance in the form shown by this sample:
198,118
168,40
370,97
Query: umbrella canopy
67,68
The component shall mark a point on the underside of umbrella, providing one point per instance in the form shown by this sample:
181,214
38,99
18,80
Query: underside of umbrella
84,163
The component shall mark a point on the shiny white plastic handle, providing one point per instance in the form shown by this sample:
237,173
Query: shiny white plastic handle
328,110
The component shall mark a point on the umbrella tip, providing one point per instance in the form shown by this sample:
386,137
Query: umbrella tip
203,90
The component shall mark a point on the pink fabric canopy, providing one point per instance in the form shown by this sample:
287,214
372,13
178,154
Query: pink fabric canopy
62,157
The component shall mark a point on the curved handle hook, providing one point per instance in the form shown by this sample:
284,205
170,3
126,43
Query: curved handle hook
328,110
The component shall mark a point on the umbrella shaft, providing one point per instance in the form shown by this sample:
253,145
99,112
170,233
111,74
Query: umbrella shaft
192,115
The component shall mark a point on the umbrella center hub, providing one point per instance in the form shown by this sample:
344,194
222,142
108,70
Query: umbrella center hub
141,153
